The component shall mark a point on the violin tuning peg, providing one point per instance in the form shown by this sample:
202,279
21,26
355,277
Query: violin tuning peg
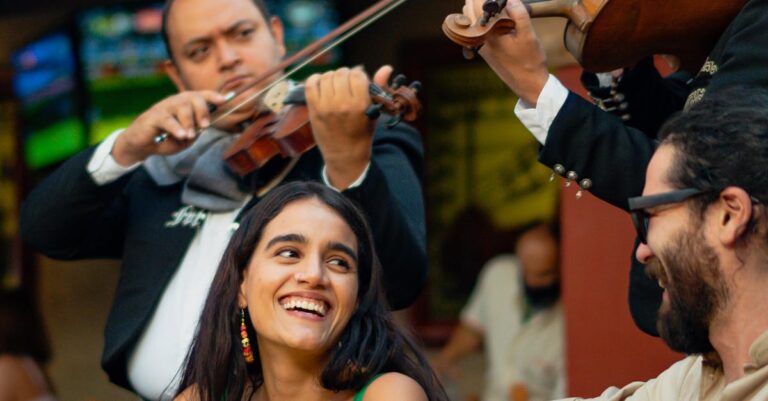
469,53
484,20
394,121
415,85
374,111
490,9
398,81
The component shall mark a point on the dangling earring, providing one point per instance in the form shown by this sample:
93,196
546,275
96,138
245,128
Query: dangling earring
247,352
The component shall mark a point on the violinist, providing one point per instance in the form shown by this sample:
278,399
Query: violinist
168,208
598,150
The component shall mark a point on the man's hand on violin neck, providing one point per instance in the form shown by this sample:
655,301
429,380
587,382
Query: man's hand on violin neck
180,116
517,57
337,101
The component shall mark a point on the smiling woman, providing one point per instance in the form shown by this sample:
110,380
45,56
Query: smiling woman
297,311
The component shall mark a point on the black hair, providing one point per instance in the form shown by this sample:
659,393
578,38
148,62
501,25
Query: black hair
721,141
372,342
260,4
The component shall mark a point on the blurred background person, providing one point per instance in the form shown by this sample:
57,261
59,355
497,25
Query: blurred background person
24,350
514,312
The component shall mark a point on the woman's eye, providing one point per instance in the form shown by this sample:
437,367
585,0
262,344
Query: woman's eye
339,262
288,253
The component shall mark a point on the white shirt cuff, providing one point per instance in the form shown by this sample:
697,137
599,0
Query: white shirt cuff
103,168
354,184
538,119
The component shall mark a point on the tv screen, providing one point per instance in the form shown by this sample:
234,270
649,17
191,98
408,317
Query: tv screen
122,53
45,82
304,22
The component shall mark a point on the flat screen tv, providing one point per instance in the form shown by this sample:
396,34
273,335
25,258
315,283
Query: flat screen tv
46,85
122,53
304,22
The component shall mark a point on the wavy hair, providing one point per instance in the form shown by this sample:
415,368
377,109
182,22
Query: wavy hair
721,141
372,342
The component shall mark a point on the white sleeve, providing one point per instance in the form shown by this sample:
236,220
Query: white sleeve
356,183
102,167
539,118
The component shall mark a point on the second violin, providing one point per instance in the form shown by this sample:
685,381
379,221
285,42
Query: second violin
607,34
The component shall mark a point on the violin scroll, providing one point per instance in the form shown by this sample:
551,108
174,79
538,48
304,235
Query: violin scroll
471,36
495,20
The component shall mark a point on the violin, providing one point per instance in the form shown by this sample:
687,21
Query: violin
285,131
604,35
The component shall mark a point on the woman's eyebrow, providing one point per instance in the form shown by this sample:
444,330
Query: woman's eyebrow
287,238
338,246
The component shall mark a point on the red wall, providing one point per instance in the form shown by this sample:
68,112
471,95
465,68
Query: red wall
604,347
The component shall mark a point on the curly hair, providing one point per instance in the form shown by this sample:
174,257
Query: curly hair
721,141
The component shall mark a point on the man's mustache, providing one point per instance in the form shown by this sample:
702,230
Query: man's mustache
655,270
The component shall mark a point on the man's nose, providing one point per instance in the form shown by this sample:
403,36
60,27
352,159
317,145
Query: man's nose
643,253
228,56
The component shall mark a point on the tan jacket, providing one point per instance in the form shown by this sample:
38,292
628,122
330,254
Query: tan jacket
695,378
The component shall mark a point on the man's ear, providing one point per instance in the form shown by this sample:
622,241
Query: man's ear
173,73
278,32
734,215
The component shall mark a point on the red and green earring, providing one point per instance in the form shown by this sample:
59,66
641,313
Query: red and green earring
247,351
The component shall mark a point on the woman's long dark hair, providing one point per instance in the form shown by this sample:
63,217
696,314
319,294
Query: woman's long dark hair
371,342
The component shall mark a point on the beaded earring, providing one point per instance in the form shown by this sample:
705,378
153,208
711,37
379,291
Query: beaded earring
246,343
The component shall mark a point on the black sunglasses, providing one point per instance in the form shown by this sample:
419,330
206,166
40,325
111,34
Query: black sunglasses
639,204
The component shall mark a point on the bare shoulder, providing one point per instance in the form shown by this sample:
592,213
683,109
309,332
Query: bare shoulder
11,367
15,380
395,386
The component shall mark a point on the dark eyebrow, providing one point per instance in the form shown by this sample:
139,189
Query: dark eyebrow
238,24
338,246
232,28
287,238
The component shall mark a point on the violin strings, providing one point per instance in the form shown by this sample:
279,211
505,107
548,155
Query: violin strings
341,39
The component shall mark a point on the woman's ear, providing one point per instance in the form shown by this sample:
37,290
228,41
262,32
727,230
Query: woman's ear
242,301
734,215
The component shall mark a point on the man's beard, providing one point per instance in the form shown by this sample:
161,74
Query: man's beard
696,292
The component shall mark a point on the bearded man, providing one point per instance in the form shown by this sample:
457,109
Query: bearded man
704,236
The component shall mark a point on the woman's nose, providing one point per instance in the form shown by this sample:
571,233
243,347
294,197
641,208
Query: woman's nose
311,272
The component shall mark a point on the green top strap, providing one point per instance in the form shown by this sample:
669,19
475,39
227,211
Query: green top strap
361,393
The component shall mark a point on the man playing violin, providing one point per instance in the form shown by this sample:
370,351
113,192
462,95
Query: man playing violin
601,151
167,208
